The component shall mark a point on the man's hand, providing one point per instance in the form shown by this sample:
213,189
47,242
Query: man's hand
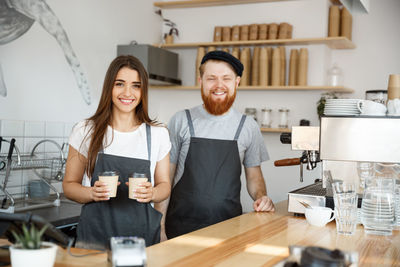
264,203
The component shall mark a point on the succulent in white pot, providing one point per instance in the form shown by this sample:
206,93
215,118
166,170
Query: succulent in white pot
30,250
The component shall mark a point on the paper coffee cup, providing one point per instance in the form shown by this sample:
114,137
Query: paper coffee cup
394,86
111,179
134,183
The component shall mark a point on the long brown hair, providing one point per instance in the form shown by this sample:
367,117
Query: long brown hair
99,122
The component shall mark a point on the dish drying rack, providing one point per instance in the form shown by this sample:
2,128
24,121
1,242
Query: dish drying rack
45,165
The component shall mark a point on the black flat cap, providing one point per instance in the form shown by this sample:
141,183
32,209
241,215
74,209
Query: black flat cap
228,58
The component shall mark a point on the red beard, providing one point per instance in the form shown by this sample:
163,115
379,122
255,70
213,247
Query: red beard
217,107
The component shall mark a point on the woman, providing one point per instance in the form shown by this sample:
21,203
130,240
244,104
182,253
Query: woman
119,136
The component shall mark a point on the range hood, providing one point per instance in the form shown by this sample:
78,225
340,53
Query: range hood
161,64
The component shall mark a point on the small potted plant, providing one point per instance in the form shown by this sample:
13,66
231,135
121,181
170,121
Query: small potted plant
169,29
30,250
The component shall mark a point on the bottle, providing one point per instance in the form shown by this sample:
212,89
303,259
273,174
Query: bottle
335,76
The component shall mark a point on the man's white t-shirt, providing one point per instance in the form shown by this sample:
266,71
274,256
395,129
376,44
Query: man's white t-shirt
125,144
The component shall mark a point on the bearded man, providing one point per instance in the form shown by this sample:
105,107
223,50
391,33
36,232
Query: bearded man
209,144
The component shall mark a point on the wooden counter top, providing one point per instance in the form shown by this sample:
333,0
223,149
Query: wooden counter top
254,239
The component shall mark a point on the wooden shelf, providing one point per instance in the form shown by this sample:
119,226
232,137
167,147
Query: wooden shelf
275,130
206,3
332,42
339,89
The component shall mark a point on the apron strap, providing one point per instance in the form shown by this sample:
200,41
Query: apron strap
148,135
240,127
189,118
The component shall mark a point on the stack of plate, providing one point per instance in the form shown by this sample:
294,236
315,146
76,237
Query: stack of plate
344,107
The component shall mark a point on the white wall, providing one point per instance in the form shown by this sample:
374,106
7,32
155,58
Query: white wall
41,85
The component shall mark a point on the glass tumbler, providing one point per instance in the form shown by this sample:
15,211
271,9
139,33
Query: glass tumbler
345,199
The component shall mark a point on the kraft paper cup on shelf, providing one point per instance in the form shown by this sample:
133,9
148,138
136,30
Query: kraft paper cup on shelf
134,183
394,86
111,179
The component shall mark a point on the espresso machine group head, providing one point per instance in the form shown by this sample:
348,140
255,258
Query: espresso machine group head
306,139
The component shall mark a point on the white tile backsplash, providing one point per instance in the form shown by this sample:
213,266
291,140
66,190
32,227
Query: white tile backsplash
30,143
54,129
11,128
34,129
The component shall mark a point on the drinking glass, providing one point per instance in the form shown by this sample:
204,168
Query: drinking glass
365,170
345,199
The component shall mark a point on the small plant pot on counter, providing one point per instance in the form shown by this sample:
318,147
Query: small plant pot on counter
45,256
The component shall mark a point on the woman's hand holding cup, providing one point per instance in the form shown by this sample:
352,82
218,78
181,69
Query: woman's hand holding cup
140,188
106,186
100,191
144,192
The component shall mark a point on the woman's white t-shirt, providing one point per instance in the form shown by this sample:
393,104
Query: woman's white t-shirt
125,144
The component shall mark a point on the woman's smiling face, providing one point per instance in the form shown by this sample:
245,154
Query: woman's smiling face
127,91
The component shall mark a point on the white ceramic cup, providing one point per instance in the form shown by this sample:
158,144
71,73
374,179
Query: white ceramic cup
319,216
368,107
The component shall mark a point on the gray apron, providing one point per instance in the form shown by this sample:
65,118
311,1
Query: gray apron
209,190
119,216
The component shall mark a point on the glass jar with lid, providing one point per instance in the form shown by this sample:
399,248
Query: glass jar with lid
266,117
335,76
283,118
252,112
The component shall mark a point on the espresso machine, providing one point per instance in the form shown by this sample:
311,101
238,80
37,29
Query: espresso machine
338,144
